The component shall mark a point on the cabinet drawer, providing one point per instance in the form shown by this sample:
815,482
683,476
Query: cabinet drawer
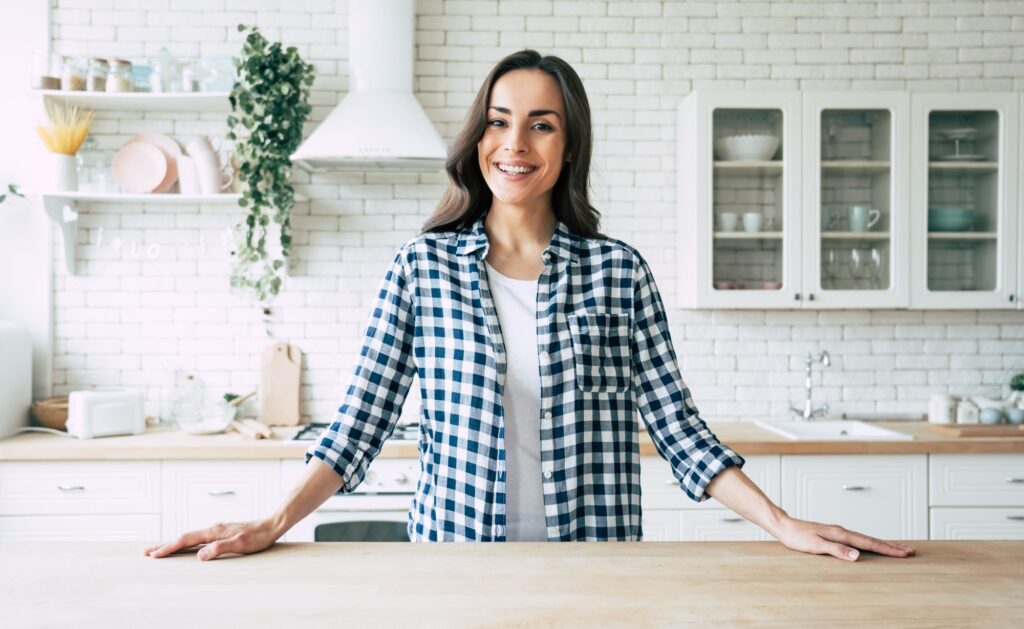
79,487
882,496
969,480
718,525
973,523
81,528
660,489
198,494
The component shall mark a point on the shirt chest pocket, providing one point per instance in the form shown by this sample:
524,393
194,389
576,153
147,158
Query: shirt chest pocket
601,350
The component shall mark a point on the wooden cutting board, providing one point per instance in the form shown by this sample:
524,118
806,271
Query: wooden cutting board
279,387
979,430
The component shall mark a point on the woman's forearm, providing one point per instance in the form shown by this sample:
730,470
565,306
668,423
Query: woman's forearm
735,490
319,482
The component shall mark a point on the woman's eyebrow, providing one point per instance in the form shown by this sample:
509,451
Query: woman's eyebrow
535,112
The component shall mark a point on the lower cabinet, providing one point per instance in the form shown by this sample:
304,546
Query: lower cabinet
977,523
884,496
977,496
198,494
84,528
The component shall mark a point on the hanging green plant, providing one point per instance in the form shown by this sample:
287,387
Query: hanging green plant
269,104
11,190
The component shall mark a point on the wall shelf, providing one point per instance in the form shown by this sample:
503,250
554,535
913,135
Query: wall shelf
141,101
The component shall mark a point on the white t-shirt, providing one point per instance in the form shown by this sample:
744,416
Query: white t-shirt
516,303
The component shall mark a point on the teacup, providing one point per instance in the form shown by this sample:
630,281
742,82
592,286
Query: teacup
862,217
727,221
752,221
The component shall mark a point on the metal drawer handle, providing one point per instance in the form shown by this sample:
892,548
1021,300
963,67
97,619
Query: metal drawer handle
71,487
1019,518
225,492
1015,480
855,487
732,519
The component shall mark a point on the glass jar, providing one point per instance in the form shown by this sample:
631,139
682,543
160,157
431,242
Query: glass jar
96,79
46,71
93,167
120,77
72,78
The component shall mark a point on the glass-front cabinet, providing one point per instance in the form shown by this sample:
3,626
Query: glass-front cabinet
739,223
856,208
850,200
964,196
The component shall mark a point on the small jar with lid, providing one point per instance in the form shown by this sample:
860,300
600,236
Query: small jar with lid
120,77
72,77
96,78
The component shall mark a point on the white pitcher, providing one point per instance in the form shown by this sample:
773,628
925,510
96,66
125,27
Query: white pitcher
212,176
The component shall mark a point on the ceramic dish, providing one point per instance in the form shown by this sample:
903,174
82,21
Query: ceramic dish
746,147
950,219
139,167
962,157
171,151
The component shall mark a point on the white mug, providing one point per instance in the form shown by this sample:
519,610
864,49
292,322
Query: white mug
727,221
212,176
942,408
188,177
862,217
752,221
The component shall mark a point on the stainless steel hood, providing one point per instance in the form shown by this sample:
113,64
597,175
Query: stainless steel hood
379,124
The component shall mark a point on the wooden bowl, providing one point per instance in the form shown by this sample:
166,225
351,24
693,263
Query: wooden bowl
52,412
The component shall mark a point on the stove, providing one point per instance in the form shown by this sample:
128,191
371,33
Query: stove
403,432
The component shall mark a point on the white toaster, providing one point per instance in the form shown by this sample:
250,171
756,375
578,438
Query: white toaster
105,413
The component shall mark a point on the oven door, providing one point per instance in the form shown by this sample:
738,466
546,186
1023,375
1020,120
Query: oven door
352,526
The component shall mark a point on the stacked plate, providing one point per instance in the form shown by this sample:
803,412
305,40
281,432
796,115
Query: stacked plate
753,147
147,163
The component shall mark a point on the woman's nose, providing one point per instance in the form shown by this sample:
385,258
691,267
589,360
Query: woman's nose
516,140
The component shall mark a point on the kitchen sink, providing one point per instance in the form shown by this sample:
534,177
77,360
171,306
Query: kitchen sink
831,430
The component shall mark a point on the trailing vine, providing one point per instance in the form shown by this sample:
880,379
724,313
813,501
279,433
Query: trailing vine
269,104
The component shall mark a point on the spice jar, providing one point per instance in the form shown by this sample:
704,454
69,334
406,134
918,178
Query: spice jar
96,79
72,78
46,71
120,77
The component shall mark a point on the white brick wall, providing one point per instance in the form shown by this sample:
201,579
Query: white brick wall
130,318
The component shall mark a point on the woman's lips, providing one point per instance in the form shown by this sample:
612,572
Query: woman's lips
515,176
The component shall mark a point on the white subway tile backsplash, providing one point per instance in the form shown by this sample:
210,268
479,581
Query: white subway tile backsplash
161,299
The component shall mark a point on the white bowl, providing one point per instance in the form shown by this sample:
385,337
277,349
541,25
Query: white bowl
746,147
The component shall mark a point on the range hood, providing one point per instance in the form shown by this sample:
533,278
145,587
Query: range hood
379,124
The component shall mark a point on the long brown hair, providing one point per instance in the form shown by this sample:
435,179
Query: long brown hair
468,197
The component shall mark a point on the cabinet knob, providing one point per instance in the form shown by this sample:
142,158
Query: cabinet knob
854,488
1016,518
401,479
1012,298
810,296
796,296
223,492
1015,480
71,487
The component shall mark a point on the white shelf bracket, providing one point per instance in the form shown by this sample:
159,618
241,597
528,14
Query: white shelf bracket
64,213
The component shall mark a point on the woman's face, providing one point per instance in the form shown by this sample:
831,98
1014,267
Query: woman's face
523,145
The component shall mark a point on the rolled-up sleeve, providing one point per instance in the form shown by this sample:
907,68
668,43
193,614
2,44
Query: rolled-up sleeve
663,400
383,374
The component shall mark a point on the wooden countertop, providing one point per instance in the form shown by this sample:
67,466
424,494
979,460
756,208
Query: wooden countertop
746,438
106,584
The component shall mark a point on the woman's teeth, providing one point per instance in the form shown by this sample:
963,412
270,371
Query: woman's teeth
516,170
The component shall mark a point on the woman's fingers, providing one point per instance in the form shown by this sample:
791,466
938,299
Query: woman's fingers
185,541
218,548
866,542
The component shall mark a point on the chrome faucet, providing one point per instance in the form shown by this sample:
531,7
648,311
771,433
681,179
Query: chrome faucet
808,412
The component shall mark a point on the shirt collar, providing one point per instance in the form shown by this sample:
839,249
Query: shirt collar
564,243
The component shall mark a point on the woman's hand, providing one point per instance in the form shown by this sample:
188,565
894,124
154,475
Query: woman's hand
232,537
832,539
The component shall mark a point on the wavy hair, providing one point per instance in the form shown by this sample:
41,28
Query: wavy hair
468,197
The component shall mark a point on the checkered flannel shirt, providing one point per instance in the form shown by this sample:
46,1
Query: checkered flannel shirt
605,355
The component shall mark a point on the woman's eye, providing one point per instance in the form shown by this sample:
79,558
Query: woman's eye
495,122
543,126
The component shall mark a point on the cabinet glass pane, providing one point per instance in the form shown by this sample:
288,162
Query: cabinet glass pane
856,216
747,199
963,200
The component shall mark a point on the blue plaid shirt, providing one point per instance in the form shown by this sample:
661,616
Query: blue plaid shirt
605,355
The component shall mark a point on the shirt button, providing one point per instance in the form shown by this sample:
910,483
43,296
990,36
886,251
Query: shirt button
552,530
499,530
544,356
546,256
547,473
547,415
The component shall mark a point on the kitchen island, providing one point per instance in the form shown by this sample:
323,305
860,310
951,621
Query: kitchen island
107,584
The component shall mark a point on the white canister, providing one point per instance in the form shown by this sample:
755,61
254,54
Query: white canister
212,178
967,412
942,408
188,178
63,172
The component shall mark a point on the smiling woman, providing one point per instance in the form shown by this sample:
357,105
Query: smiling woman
537,342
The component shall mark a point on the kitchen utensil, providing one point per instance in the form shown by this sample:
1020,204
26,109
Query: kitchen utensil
942,408
171,152
752,221
259,429
950,219
139,167
52,412
727,221
856,265
862,217
831,264
105,413
211,419
279,388
991,416
746,147
875,267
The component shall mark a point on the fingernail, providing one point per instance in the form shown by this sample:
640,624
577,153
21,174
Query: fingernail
203,554
852,554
